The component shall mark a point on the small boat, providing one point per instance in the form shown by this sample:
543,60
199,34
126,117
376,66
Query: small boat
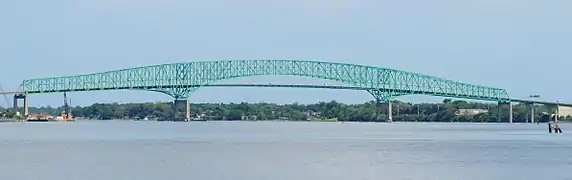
40,118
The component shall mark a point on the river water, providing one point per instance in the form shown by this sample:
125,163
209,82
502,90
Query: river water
141,150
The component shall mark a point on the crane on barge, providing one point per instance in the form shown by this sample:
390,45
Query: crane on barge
66,113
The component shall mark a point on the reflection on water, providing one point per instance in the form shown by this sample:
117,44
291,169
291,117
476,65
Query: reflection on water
282,150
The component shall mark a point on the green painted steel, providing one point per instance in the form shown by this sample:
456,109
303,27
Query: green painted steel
179,80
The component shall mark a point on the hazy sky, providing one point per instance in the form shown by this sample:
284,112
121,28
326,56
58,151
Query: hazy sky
524,46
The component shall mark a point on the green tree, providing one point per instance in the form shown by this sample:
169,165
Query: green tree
446,111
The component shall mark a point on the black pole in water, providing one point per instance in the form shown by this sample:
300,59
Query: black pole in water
557,128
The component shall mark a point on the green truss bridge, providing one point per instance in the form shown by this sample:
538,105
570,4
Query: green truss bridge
180,80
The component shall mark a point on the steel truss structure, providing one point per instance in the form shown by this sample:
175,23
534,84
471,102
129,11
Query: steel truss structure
180,80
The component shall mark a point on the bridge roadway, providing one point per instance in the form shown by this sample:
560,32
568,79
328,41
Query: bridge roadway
180,80
525,101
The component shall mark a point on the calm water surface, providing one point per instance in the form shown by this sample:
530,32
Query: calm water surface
131,150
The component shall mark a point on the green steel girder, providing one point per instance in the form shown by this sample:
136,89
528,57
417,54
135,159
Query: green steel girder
179,93
384,95
179,79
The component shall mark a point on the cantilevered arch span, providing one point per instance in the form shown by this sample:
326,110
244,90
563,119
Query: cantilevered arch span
180,80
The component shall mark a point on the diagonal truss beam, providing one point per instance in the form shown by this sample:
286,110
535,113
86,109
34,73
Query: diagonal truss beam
162,78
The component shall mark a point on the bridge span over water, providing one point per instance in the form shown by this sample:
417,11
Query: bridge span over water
180,80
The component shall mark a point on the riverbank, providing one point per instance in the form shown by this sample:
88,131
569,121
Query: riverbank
333,120
8,120
446,111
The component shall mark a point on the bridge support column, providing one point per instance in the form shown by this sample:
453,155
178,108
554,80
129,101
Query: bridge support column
188,110
25,98
389,112
557,114
15,106
178,106
499,111
526,112
531,110
181,95
499,117
26,106
377,108
381,95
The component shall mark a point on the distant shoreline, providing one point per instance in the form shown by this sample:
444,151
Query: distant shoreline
8,120
325,121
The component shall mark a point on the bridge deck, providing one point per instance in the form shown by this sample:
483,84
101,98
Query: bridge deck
299,86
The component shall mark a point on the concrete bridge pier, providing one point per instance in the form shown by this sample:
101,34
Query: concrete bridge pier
389,112
178,107
381,95
499,113
188,110
557,114
529,112
25,98
499,116
378,107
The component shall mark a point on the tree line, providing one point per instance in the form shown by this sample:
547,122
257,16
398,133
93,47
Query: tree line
446,111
